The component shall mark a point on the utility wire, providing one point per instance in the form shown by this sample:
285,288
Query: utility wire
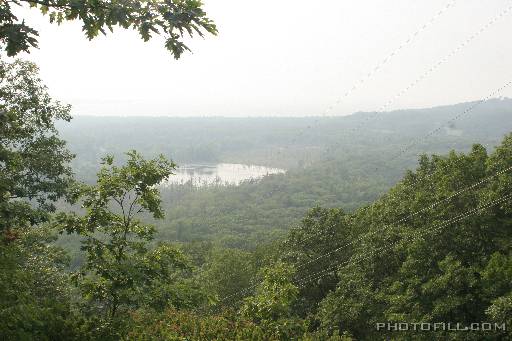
386,226
412,85
421,235
407,218
429,134
301,283
427,72
383,62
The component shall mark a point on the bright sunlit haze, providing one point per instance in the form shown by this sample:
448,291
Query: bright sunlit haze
283,58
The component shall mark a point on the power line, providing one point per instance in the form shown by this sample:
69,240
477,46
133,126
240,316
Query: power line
376,231
413,84
453,119
409,216
301,283
436,228
383,62
427,72
431,133
397,222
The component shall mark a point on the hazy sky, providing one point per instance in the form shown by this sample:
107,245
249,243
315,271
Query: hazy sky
284,58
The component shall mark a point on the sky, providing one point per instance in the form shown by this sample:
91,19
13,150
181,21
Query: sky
287,58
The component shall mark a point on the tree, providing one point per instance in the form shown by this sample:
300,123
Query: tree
271,306
35,293
228,271
120,269
322,230
431,250
34,162
274,296
171,18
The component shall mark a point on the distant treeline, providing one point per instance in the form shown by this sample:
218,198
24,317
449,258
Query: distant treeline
284,142
332,162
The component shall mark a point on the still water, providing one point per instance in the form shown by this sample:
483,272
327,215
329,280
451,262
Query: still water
222,173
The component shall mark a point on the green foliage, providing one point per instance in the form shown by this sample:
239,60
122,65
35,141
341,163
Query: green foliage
35,292
497,288
497,275
272,304
170,18
500,311
34,162
183,325
415,267
414,255
120,271
274,296
327,165
226,271
322,230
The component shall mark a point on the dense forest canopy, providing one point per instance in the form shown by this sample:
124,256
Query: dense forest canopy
327,251
328,164
393,225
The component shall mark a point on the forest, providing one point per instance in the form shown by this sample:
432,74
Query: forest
330,165
384,226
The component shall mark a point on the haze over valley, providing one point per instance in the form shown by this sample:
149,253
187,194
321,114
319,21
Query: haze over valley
342,162
214,170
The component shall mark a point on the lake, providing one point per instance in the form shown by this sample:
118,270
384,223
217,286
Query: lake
222,173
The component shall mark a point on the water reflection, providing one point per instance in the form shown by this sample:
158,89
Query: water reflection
221,174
